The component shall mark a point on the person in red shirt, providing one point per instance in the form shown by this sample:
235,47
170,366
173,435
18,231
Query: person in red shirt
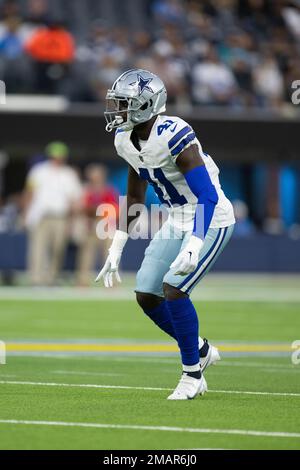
96,193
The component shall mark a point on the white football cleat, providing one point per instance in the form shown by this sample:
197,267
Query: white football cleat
211,358
188,388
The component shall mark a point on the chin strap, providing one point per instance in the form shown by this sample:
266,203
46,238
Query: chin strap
116,122
109,127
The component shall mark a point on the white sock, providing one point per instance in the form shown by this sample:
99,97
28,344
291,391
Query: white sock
201,342
193,368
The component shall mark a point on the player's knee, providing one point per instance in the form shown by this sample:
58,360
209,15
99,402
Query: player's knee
173,293
148,302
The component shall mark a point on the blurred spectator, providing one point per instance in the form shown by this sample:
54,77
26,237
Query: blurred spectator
11,46
96,192
169,11
268,82
107,72
170,70
213,83
96,44
9,8
37,12
291,15
53,50
11,12
244,226
238,51
292,74
9,217
273,223
9,214
14,67
141,43
213,52
53,191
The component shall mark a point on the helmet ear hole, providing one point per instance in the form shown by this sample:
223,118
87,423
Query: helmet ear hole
144,107
147,105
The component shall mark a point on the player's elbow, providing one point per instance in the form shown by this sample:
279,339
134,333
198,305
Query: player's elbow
208,193
200,183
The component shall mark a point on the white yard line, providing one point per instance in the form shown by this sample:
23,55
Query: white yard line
241,432
243,392
68,372
55,384
273,370
127,387
289,366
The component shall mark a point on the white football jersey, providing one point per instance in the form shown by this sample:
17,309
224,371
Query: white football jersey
156,163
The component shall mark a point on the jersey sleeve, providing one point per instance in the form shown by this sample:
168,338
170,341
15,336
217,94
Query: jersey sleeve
179,137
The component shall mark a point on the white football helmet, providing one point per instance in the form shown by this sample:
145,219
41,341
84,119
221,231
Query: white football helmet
136,96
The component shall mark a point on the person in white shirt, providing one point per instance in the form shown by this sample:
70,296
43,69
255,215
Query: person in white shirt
53,190
213,83
268,82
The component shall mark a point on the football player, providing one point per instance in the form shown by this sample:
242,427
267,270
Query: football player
164,151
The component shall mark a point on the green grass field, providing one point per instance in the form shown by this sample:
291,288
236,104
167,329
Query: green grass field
72,382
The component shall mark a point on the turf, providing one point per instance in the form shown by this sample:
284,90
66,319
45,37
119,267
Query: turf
240,321
104,320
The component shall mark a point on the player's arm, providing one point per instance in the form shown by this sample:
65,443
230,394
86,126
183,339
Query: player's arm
191,165
193,168
136,190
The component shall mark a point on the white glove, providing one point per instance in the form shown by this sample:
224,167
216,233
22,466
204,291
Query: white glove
187,260
111,265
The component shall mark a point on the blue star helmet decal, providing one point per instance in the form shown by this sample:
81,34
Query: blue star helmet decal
143,84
